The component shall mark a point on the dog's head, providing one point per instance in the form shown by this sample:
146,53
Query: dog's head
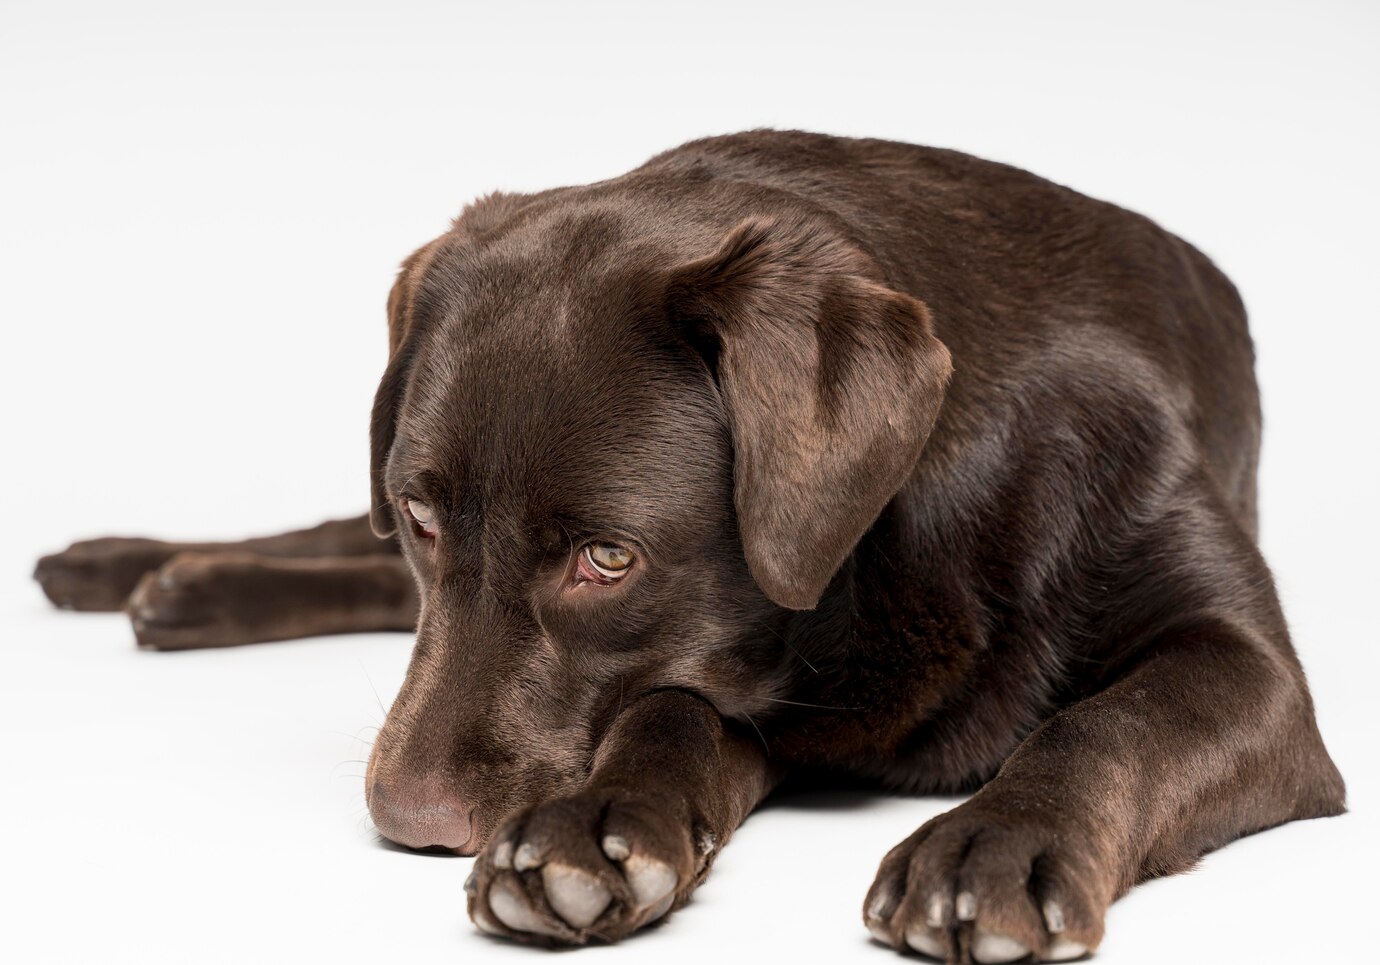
617,461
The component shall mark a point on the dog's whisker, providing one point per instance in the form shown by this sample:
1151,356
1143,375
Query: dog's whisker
760,735
355,736
787,644
799,703
373,688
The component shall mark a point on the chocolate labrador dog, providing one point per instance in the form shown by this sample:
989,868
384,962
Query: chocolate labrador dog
792,456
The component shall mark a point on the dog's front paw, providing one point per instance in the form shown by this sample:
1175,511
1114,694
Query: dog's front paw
981,884
595,866
98,574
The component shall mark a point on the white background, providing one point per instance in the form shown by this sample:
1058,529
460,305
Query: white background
202,209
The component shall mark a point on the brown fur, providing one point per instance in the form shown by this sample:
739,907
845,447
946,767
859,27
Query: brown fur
941,477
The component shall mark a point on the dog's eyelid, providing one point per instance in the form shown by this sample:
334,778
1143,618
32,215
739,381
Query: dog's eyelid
421,514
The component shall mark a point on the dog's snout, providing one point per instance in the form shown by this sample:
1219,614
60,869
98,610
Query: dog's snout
422,816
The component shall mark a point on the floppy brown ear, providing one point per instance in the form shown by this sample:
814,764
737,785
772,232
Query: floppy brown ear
832,381
383,420
478,221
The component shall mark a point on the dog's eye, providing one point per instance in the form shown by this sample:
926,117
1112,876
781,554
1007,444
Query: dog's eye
604,563
423,515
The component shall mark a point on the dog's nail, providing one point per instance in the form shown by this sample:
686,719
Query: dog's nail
1063,950
526,858
992,948
616,847
965,906
503,855
651,880
877,908
1054,917
514,912
878,912
879,932
575,895
484,923
936,911
707,843
472,883
166,581
923,941
662,907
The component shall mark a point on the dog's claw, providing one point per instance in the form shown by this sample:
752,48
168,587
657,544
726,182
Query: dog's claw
923,941
965,906
472,883
503,855
878,913
527,858
1063,950
937,911
575,895
1054,917
993,948
616,847
879,909
879,932
484,923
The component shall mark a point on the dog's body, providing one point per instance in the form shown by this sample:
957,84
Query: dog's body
908,468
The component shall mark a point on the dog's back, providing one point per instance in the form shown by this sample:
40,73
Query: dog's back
1042,293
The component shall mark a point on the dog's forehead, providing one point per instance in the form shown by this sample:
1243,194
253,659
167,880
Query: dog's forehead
553,403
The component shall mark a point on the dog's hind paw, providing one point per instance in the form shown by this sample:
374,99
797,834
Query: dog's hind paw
99,574
593,867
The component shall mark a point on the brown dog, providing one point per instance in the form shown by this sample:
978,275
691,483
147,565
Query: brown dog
789,455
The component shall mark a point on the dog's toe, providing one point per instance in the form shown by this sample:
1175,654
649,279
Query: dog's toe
651,880
574,894
585,868
973,888
993,948
98,574
924,940
514,911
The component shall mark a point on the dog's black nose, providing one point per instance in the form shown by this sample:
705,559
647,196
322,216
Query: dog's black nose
423,815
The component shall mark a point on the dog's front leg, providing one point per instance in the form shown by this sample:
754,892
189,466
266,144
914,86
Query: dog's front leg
670,784
1210,736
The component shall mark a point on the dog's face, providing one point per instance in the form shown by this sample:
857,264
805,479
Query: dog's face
616,470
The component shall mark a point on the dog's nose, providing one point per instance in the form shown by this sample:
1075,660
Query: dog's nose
422,816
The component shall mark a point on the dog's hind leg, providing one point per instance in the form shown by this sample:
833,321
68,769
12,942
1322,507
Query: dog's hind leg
224,599
100,574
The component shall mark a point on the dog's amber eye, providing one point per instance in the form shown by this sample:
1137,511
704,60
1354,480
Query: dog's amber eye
423,515
605,562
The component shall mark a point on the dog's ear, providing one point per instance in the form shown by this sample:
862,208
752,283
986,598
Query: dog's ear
382,422
832,383
478,222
